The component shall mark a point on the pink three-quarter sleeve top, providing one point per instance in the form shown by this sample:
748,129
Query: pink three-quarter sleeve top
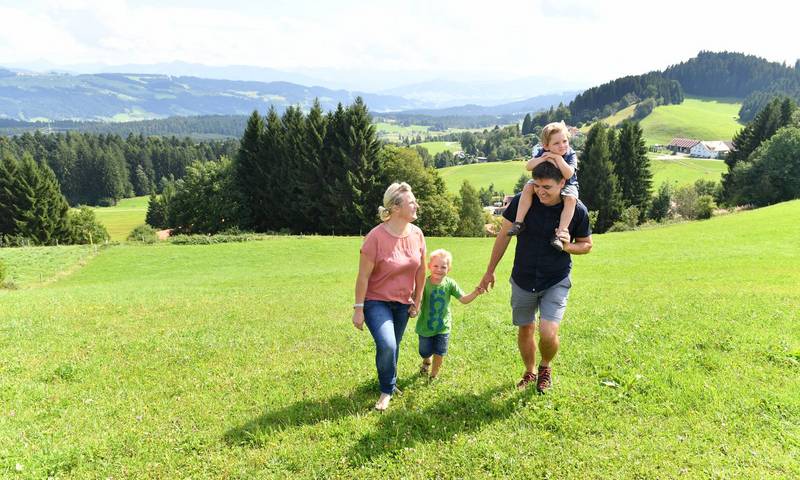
396,262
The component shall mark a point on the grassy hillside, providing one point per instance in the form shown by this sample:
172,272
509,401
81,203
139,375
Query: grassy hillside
239,361
505,174
702,119
699,118
120,219
684,171
439,147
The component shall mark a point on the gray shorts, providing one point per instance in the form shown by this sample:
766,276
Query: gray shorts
567,191
551,303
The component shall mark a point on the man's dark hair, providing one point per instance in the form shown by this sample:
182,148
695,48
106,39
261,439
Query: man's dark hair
547,170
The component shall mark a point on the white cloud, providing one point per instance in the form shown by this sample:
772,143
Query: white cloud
584,40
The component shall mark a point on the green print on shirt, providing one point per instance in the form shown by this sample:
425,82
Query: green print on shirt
438,308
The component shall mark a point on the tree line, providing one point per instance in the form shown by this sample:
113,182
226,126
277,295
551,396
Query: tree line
731,74
201,127
318,172
100,169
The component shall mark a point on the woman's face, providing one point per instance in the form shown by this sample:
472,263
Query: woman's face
407,210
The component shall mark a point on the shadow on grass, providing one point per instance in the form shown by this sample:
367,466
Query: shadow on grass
307,412
401,427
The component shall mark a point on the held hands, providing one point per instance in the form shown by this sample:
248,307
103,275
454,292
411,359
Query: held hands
552,158
413,310
487,282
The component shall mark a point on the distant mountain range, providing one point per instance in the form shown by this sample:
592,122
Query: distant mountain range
31,96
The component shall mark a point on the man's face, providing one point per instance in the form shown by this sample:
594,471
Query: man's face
548,190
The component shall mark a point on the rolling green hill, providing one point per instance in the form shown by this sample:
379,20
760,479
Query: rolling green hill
439,147
504,175
698,118
120,219
680,357
701,119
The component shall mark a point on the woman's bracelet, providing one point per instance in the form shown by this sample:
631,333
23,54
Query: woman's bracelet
356,305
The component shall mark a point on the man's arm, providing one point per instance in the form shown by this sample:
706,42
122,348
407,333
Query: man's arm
498,250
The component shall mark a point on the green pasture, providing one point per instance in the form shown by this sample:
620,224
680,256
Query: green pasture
677,169
680,357
438,147
697,118
120,219
684,171
504,175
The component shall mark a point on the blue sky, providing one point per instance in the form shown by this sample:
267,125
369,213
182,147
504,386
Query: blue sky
587,42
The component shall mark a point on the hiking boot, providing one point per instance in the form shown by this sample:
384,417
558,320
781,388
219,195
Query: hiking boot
423,369
544,382
527,379
516,227
556,243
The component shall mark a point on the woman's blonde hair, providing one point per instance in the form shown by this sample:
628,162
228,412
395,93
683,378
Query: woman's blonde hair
392,197
550,129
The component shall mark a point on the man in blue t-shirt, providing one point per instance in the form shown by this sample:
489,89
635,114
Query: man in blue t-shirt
540,278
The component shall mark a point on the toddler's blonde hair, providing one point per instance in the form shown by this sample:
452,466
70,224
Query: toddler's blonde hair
444,254
550,129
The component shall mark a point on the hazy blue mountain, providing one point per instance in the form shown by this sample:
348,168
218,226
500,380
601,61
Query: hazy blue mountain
521,107
447,93
118,96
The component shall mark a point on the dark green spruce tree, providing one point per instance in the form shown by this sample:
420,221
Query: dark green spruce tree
250,175
294,166
633,167
312,173
599,184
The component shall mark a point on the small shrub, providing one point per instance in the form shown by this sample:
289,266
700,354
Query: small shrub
214,239
143,233
705,206
85,228
2,273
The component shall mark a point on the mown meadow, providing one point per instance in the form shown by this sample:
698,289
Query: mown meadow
680,357
678,170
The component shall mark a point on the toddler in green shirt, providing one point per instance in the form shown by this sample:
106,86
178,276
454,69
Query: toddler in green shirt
433,322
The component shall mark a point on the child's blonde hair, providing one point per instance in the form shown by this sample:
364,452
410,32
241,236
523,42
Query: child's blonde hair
444,254
393,196
550,129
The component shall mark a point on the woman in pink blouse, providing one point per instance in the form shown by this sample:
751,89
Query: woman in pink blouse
390,282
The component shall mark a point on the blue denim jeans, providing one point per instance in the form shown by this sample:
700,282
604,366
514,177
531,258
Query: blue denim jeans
436,344
386,322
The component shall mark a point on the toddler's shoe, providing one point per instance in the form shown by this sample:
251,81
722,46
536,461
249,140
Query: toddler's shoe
516,227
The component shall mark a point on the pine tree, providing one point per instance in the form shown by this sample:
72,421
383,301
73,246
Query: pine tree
599,184
313,170
353,148
526,124
295,165
633,167
9,193
249,173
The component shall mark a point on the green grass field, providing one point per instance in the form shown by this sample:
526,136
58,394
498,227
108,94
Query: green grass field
684,171
698,118
680,357
120,219
504,175
439,147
